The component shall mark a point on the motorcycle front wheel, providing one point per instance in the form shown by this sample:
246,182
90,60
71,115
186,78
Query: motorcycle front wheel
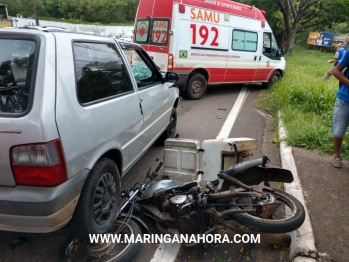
288,216
74,249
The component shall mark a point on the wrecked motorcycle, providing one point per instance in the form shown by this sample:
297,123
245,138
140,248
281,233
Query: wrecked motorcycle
201,208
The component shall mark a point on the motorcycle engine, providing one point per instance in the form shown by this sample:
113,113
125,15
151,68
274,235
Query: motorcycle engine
186,217
181,208
178,205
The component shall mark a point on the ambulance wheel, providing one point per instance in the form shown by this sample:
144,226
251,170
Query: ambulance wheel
273,79
196,87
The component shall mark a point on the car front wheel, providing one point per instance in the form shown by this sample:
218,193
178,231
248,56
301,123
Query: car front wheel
196,86
273,79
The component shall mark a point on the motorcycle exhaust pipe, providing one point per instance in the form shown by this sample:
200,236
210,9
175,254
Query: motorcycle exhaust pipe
241,167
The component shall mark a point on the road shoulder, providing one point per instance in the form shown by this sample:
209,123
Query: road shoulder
326,194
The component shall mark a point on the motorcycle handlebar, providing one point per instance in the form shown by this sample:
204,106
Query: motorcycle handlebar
158,168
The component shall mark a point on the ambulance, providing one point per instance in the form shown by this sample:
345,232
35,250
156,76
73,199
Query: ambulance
209,42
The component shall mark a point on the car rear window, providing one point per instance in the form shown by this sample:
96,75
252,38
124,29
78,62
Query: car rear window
159,31
16,74
153,31
142,31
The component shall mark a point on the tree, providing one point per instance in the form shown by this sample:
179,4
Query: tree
36,16
306,13
292,17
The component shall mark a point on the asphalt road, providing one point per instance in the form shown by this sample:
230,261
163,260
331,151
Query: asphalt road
199,120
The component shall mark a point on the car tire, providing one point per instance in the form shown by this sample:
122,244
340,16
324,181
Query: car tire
273,79
98,203
196,87
171,129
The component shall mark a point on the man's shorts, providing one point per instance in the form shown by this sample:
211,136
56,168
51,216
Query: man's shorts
340,120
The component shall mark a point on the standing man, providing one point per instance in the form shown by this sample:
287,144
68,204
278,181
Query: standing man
337,56
346,43
340,120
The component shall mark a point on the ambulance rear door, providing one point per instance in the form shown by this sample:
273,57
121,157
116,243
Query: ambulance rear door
152,29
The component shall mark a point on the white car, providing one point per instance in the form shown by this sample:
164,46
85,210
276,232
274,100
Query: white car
75,115
107,34
127,37
45,28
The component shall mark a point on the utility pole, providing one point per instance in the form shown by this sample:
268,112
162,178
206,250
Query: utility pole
36,13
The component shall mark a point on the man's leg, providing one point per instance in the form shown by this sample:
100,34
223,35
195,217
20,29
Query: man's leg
337,142
340,124
337,159
328,73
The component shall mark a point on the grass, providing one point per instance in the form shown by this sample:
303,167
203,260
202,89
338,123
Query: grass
305,101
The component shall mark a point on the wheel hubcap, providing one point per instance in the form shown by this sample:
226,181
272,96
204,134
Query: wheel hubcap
275,79
104,198
197,87
269,198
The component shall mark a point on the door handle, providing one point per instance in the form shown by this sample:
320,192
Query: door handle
260,58
140,106
255,58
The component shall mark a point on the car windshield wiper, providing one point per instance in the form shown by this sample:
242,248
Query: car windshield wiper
8,88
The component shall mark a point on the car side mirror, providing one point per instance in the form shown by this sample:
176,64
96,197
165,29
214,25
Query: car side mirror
171,77
282,52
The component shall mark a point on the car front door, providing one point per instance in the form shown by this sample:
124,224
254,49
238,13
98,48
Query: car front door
156,101
269,59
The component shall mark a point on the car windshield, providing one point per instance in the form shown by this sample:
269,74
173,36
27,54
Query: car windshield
127,36
16,73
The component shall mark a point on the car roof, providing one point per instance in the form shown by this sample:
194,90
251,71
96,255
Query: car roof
45,28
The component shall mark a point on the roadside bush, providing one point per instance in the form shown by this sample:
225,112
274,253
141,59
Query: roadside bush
305,101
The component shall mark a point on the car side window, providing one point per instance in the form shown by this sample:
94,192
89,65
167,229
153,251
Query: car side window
100,72
142,70
244,41
270,48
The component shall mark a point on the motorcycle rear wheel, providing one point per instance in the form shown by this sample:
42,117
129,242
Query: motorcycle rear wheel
288,217
74,249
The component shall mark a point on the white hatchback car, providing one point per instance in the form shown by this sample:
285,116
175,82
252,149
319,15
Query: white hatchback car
127,37
76,114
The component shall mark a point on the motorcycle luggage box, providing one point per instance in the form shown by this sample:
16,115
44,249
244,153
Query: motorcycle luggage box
189,160
182,159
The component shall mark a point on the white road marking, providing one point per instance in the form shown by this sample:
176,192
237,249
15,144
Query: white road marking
168,252
229,122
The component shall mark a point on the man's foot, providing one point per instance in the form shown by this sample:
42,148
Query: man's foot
337,162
